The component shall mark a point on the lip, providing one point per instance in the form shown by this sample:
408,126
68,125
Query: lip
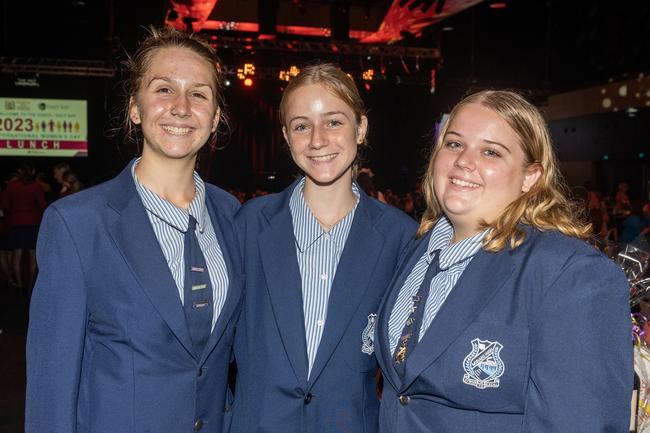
177,130
323,158
464,184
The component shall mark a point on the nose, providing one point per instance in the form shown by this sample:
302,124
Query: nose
318,138
466,160
181,106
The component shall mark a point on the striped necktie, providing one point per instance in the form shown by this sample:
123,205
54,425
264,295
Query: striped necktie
197,290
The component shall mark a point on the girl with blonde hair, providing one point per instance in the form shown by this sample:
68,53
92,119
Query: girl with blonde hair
500,318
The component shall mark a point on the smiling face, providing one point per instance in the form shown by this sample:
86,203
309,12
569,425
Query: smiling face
175,104
323,134
480,169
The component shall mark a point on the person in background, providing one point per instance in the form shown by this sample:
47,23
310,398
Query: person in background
501,318
364,179
70,183
23,203
133,314
637,223
318,257
623,205
47,188
57,174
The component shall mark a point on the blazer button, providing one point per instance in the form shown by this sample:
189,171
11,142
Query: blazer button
404,400
307,398
198,424
199,372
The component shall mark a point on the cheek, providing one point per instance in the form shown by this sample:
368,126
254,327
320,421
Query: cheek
150,110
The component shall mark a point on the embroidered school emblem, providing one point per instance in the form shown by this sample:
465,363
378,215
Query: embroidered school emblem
367,336
483,366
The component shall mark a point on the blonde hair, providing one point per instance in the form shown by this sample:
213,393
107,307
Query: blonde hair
546,206
338,83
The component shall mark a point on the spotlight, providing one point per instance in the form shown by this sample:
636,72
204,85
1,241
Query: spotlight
248,70
248,82
368,74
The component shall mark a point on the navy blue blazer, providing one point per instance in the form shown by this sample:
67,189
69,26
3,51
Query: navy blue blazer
272,392
108,348
534,340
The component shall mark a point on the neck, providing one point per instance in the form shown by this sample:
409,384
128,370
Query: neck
171,180
463,232
330,203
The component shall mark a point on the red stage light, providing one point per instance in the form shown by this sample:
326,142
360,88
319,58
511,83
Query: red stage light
498,5
248,82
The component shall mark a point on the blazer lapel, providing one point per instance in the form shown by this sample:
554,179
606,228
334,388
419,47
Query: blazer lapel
278,255
466,300
137,242
353,275
383,347
224,230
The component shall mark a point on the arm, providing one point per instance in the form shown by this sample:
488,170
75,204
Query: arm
40,198
581,353
56,331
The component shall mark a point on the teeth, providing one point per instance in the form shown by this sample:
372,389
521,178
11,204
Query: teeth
323,158
464,183
176,131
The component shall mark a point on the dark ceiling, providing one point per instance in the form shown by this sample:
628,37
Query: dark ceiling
539,44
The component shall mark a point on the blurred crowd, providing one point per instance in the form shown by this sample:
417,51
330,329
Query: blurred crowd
24,195
618,218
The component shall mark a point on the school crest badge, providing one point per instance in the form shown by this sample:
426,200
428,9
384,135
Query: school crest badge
483,366
368,335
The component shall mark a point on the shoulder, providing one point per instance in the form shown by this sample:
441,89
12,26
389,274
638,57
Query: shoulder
222,199
556,253
87,200
252,208
390,218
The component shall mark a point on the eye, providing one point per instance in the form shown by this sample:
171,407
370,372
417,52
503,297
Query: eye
491,153
164,90
453,145
300,127
199,95
334,123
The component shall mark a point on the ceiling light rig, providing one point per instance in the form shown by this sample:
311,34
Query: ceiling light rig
286,75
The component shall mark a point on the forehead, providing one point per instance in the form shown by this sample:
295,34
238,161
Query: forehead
315,97
480,121
173,62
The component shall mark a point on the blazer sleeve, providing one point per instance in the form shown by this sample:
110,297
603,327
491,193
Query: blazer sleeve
56,331
582,374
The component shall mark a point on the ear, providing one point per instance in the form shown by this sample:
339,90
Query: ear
362,128
284,133
134,113
533,173
215,121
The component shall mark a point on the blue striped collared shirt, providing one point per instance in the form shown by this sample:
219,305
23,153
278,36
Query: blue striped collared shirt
170,223
453,260
318,253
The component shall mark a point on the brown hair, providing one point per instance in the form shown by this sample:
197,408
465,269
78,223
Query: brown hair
332,78
136,66
546,206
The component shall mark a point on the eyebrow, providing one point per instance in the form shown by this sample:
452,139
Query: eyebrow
329,113
169,80
496,143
